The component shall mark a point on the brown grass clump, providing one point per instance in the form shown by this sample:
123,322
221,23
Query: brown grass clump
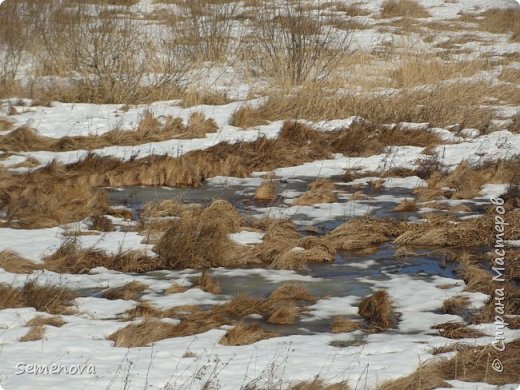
293,291
457,330
142,334
245,333
70,258
466,180
50,320
377,310
285,313
266,191
130,290
405,8
51,299
37,329
320,191
471,364
148,130
163,208
318,384
455,305
342,324
34,202
199,239
406,206
13,263
100,223
176,288
208,284
498,21
33,334
360,233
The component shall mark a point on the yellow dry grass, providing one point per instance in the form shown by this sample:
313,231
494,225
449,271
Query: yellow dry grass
377,309
320,191
131,290
48,298
457,330
13,263
245,333
404,8
341,324
266,191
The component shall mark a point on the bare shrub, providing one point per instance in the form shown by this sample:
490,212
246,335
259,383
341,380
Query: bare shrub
296,44
206,30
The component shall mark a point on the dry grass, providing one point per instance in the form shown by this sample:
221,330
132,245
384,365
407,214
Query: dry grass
245,333
45,200
142,334
131,290
149,130
100,223
443,231
37,330
70,258
266,192
293,291
363,232
377,310
343,324
498,21
34,333
406,206
163,208
318,384
51,299
320,191
470,364
199,239
440,105
457,330
176,288
455,305
13,263
466,179
404,8
208,284
279,309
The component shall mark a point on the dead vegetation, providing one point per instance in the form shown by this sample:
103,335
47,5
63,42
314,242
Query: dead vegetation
208,284
403,8
466,180
13,263
266,191
245,333
471,364
37,327
46,298
70,258
131,290
150,129
283,307
377,309
320,191
455,305
497,21
342,324
457,330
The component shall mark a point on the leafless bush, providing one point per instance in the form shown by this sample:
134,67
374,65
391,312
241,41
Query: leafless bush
13,41
105,60
207,28
295,43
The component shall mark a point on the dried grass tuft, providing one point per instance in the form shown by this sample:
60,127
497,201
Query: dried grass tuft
209,284
128,291
13,263
342,324
378,310
320,191
245,334
457,330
